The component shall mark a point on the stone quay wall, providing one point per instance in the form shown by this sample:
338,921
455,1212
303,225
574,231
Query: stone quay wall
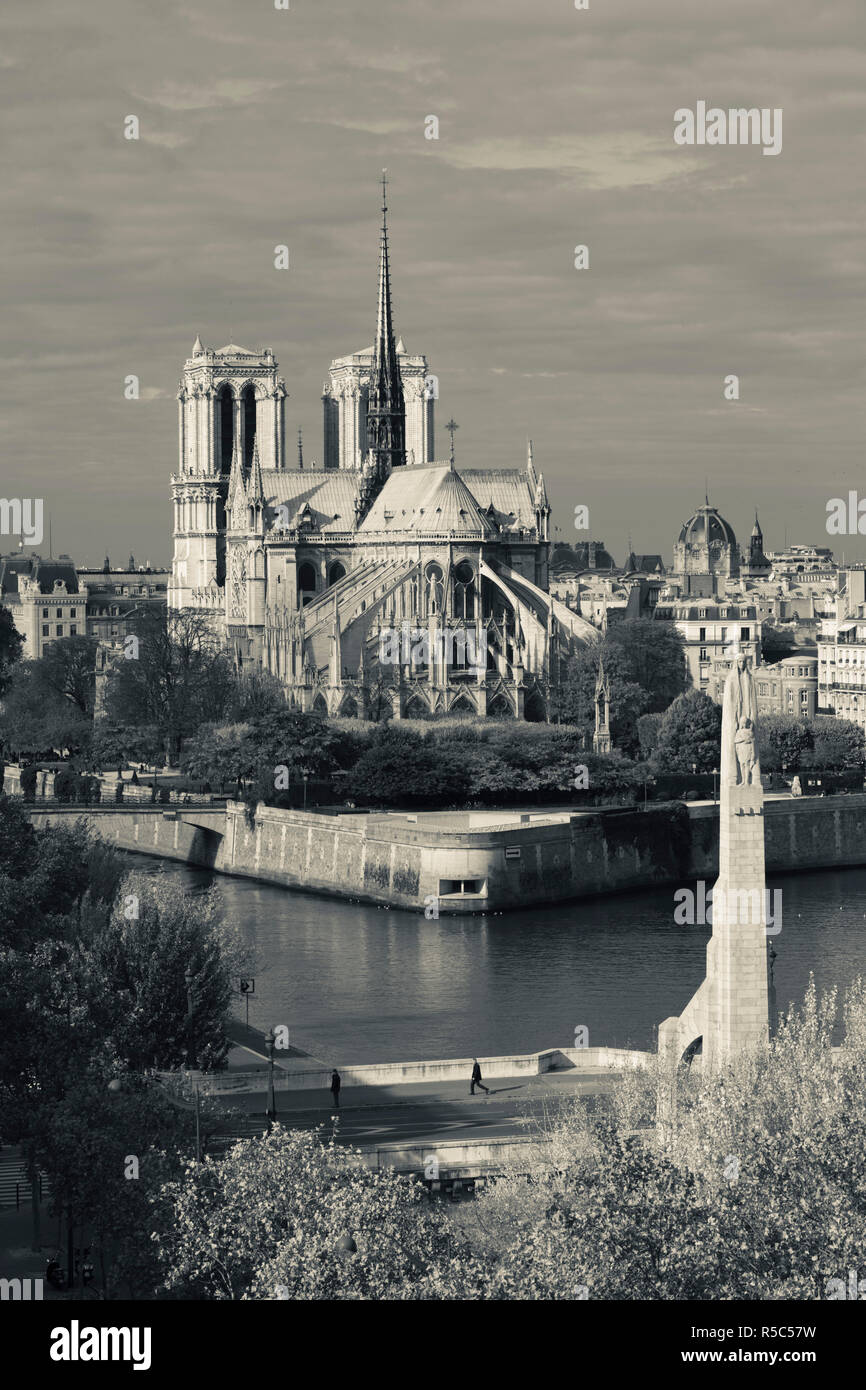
478,863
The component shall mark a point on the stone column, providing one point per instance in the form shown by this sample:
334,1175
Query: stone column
181,428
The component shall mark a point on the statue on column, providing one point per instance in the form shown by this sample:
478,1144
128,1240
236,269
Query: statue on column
740,766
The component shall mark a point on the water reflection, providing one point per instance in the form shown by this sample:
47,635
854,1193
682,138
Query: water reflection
363,984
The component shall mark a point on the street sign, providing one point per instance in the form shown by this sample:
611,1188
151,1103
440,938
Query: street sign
512,852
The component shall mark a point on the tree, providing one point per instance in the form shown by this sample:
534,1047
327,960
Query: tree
301,743
112,745
648,727
776,644
155,935
11,645
652,656
17,840
254,694
836,744
402,768
106,1145
645,666
759,1197
67,667
290,1217
783,741
36,719
575,698
218,755
179,679
689,734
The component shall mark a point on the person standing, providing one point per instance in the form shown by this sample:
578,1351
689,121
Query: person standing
476,1079
336,1083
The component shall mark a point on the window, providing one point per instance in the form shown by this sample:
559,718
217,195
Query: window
745,634
762,688
702,634
703,654
60,612
44,629
73,630
804,697
307,579
449,886
45,612
59,629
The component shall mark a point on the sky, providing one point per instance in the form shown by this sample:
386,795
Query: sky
261,127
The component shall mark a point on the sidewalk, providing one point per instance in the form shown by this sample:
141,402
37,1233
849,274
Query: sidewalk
553,1086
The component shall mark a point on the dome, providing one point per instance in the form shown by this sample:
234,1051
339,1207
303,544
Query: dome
707,527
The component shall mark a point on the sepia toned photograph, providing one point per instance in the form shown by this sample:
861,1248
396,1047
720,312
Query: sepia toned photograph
432,673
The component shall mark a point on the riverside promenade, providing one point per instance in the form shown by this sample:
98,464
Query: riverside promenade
401,1122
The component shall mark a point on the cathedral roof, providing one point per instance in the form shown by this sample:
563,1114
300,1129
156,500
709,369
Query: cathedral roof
232,350
507,491
328,493
428,500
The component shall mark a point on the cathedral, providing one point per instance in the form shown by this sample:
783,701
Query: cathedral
385,583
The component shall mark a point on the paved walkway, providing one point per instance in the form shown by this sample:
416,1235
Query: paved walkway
249,1055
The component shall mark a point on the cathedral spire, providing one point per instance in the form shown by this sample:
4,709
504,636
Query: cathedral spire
255,488
386,411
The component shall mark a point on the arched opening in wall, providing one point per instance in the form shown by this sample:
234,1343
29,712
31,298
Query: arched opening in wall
337,571
464,590
306,584
462,705
349,709
534,711
225,424
320,705
500,708
694,1049
416,709
248,406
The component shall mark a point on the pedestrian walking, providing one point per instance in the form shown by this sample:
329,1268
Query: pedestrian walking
336,1083
476,1079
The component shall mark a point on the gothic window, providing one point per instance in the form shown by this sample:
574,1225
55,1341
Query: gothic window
464,591
337,572
306,582
248,406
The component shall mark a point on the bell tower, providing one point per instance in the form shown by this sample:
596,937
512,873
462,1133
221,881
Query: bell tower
230,405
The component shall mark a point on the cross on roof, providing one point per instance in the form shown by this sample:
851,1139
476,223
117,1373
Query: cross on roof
451,427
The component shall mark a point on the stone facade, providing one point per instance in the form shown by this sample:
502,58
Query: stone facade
308,573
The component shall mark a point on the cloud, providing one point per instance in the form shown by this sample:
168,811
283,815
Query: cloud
229,91
604,161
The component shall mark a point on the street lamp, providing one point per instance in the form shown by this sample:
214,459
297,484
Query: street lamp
715,775
271,1112
305,774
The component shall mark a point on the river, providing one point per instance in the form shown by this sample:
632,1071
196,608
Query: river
358,983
